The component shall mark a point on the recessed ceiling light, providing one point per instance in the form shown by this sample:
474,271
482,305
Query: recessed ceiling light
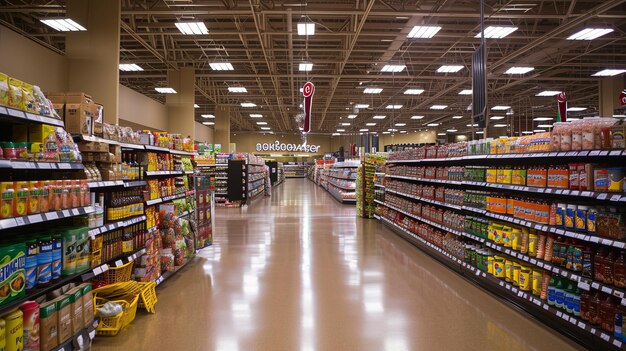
165,90
616,116
196,106
371,124
403,131
472,125
208,123
548,93
261,123
64,25
413,91
305,67
345,124
438,107
495,118
497,32
423,32
544,125
336,134
256,115
465,92
341,130
519,70
451,130
207,116
363,130
392,130
441,134
457,117
393,68
609,72
306,28
501,108
539,130
361,106
417,117
237,89
129,67
386,132
394,107
449,68
266,128
351,116
248,104
543,118
527,132
221,66
192,28
400,124
576,109
433,124
379,117
509,113
480,132
590,33
372,91
499,125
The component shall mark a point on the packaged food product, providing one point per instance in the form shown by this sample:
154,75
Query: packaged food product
13,285
57,256
31,325
574,177
15,94
64,318
76,309
28,98
570,214
44,260
617,135
87,293
566,137
49,325
8,198
616,179
14,331
3,331
82,248
536,282
30,266
8,150
4,89
577,135
601,179
587,134
558,177
69,252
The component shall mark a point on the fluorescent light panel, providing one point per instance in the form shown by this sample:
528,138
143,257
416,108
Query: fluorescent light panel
449,68
423,32
306,28
248,104
400,124
497,32
305,67
609,72
499,125
196,106
371,124
363,130
372,91
237,89
441,134
576,109
266,128
500,108
165,90
413,91
361,106
417,117
433,124
544,125
465,92
64,25
519,70
207,116
345,124
495,118
208,123
457,117
341,130
379,117
590,33
393,68
351,116
394,107
451,130
261,123
221,66
543,118
192,28
439,107
548,93
129,67
256,115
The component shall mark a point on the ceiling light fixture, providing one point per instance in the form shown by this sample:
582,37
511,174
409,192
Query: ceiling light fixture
539,130
64,25
441,134
208,123
379,117
261,123
439,107
266,128
457,117
306,28
423,32
165,90
497,32
480,132
196,106
495,118
590,33
451,130
576,109
393,68
394,107
345,124
392,130
465,92
207,116
364,130
256,115
386,132
305,67
361,106
248,104
548,93
351,116
400,124
129,67
371,124
609,72
544,125
221,66
372,91
472,125
417,117
413,91
499,125
192,28
237,89
341,130
543,119
500,108
519,70
403,131
449,68
433,124
335,134
527,132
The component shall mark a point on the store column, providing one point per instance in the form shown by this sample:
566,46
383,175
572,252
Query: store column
94,55
610,88
221,134
180,110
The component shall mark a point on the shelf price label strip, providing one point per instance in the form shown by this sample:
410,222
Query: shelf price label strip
105,267
43,217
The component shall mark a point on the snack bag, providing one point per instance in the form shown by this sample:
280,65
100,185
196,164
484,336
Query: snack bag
30,105
15,94
4,89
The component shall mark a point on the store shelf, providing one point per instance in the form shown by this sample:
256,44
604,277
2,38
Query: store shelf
86,332
116,225
168,274
186,213
538,155
37,165
379,186
11,113
156,148
112,183
165,199
295,176
430,201
183,153
342,186
116,262
344,178
132,146
43,217
162,173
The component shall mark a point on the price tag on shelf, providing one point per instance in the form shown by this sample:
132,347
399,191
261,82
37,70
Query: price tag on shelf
118,263
75,212
559,191
605,337
559,314
616,197
66,213
602,196
20,220
537,302
565,317
617,343
604,153
35,218
584,285
594,239
619,244
615,152
97,271
540,264
594,153
478,271
508,287
607,290
64,165
546,307
560,231
582,325
51,215
595,285
92,334
617,293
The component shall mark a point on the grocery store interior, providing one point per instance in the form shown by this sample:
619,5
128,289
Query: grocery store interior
312,175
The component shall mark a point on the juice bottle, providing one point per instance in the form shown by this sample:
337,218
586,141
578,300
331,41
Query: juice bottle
560,294
618,323
552,291
619,270
585,300
44,196
598,265
8,197
570,293
609,262
20,205
34,197
594,308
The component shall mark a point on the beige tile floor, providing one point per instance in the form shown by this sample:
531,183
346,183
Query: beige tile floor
298,271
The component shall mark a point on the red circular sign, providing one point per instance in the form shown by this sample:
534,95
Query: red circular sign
308,89
562,97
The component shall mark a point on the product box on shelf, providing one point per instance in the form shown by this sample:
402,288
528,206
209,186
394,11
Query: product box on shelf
78,111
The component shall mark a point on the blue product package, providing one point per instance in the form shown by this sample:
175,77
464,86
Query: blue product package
32,249
57,256
44,260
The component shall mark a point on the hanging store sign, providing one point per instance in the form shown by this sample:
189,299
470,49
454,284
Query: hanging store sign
622,98
307,91
278,146
562,104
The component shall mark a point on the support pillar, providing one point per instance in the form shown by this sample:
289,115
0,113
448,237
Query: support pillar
180,110
610,88
94,55
221,134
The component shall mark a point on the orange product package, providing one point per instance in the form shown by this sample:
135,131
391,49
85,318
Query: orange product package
20,205
558,177
34,197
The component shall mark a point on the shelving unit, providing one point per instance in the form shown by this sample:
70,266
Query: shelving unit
340,181
295,170
409,185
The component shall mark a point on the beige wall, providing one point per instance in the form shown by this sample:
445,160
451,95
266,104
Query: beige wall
140,109
419,137
203,133
30,62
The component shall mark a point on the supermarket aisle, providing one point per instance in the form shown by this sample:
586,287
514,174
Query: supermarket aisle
298,271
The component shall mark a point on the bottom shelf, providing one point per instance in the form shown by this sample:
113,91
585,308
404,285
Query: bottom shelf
340,198
578,330
168,274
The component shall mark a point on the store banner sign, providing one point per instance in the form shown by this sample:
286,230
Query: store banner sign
561,100
622,98
278,146
307,91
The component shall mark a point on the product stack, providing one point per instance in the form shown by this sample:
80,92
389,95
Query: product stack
340,181
295,169
365,188
539,220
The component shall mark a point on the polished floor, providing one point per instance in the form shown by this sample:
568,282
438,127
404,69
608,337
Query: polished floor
298,271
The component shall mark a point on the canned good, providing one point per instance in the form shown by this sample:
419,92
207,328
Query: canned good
14,331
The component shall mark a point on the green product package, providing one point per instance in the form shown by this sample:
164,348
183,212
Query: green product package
12,271
82,249
70,257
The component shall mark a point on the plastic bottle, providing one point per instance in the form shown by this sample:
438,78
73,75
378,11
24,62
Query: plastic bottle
598,265
617,326
560,294
609,263
570,298
577,302
552,291
594,309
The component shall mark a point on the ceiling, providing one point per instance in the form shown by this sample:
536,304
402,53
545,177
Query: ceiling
353,40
